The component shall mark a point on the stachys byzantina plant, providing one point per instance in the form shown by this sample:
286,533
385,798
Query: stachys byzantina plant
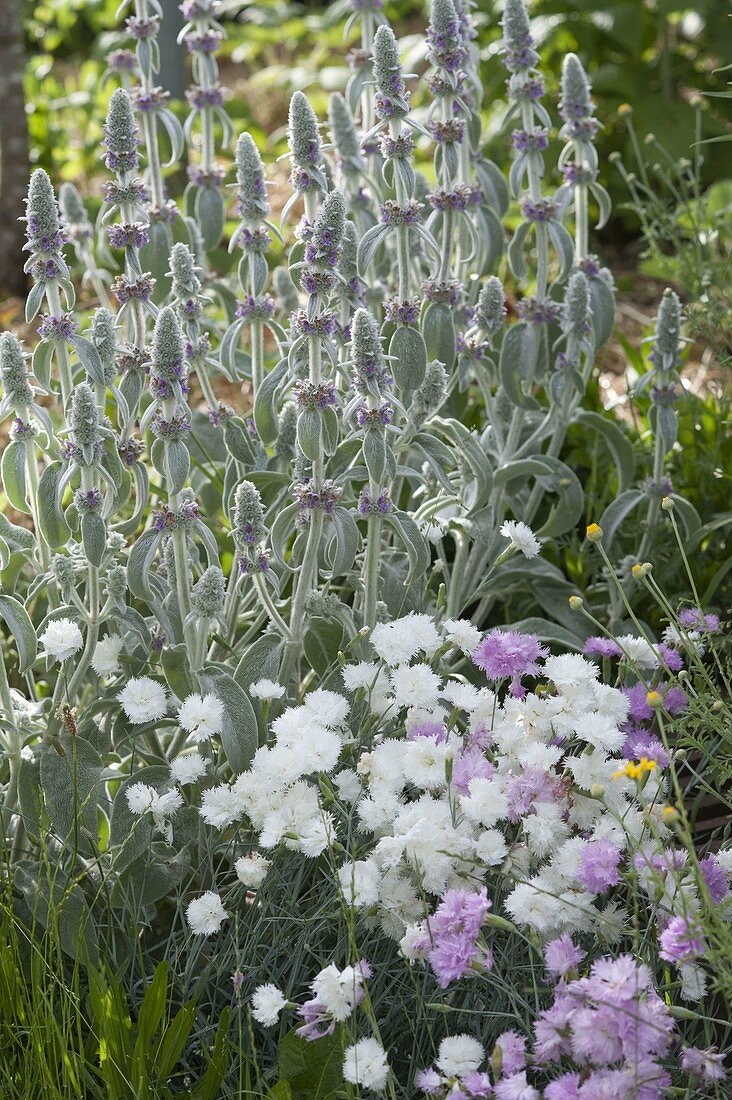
397,445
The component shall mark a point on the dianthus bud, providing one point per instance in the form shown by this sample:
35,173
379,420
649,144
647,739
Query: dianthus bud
576,311
575,101
250,181
248,527
431,393
285,289
120,133
14,373
207,597
167,344
302,133
491,308
343,129
104,339
668,327
391,101
186,283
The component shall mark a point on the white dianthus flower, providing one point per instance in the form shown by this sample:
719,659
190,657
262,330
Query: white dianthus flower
143,799
521,537
533,906
188,768
315,836
425,762
693,982
348,785
724,859
398,641
106,655
361,675
143,700
266,690
463,634
365,1064
61,639
140,797
569,670
459,1055
267,1004
326,707
490,847
638,651
360,883
414,685
432,532
486,802
219,806
206,914
251,870
464,696
202,716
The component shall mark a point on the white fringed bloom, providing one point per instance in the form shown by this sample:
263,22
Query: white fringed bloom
399,641
143,700
202,716
361,675
360,883
106,655
220,806
638,651
61,639
188,768
521,537
459,1054
143,799
251,870
415,685
266,689
206,914
267,1004
365,1064
463,634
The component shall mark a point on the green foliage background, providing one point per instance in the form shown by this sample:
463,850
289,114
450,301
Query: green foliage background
658,56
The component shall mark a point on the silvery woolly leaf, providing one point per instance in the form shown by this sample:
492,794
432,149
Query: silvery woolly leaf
12,469
18,623
409,357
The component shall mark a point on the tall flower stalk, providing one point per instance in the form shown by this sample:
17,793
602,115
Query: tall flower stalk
80,233
317,426
664,383
125,197
253,235
203,35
